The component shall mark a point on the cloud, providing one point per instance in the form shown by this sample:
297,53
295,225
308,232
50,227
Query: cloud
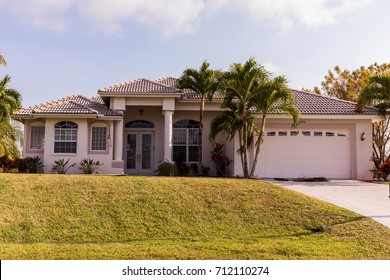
287,13
273,68
173,17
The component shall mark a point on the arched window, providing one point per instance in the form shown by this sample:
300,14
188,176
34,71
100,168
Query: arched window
139,124
65,137
185,141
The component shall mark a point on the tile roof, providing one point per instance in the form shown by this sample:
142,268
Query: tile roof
314,104
307,103
74,104
140,86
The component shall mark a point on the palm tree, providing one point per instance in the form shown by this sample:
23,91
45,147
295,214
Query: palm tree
203,82
230,123
273,95
10,99
376,93
239,85
2,60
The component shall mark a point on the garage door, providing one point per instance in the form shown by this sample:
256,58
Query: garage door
305,153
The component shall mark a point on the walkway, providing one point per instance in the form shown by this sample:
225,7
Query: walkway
368,199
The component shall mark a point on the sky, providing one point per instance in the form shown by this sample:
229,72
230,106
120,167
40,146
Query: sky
56,48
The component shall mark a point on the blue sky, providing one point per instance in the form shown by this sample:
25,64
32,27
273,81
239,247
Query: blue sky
56,48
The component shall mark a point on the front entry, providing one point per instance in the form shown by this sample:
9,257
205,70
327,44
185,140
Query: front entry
139,153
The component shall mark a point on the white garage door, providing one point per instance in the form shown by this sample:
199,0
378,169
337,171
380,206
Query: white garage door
305,153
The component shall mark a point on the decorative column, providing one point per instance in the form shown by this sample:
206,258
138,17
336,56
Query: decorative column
168,135
118,141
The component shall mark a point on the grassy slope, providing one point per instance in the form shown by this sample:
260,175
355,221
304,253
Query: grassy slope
108,217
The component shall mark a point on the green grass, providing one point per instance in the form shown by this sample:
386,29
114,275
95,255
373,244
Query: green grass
121,217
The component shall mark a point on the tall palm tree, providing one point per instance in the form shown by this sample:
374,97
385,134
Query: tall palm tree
203,82
10,99
2,60
273,95
239,85
376,93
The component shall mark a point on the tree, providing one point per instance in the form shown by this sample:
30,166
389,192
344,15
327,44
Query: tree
239,84
377,93
205,83
348,85
10,100
273,95
2,60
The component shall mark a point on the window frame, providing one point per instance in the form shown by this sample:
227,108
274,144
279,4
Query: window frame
188,127
62,131
42,140
102,140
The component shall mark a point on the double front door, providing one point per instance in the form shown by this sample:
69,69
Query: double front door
139,153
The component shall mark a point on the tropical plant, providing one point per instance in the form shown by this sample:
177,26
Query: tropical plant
166,168
60,166
34,164
377,93
89,166
240,86
204,82
10,99
220,160
273,95
2,60
385,169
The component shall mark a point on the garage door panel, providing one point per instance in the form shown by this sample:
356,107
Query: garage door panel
306,153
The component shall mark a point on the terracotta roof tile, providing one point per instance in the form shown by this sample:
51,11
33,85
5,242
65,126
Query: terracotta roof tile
74,104
140,86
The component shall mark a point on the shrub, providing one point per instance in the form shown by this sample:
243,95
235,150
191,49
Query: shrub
34,164
60,166
166,168
12,165
385,169
220,160
89,166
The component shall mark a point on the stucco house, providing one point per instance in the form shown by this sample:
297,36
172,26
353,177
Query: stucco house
131,127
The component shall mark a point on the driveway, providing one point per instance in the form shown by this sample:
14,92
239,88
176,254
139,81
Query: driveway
368,199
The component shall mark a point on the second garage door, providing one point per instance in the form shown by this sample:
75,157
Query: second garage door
305,153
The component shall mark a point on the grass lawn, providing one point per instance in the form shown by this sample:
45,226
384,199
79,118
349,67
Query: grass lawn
123,217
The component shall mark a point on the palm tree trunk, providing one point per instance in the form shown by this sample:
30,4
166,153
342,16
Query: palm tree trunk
200,134
258,145
245,144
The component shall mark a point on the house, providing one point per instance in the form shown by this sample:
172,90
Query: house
131,127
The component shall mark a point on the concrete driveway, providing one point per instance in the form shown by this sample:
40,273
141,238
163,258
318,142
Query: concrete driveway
368,199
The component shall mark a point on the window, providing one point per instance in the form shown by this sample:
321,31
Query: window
330,134
306,133
99,138
185,141
282,133
294,133
65,137
37,137
272,133
139,124
317,133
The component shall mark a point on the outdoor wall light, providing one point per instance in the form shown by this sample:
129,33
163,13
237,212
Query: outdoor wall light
141,111
363,136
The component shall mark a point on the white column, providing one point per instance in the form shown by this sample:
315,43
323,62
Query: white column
118,141
168,135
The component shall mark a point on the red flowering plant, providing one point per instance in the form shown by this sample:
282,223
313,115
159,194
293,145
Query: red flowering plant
385,169
220,160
